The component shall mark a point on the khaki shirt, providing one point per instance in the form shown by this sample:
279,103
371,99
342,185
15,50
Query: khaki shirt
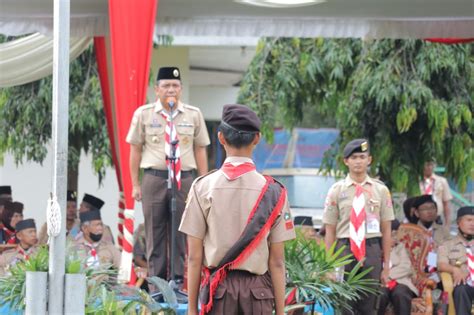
440,233
148,129
13,256
217,211
338,206
106,253
401,269
453,252
441,191
43,235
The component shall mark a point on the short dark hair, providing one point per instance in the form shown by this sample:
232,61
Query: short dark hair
236,138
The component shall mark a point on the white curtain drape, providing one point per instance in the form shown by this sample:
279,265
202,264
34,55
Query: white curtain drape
30,58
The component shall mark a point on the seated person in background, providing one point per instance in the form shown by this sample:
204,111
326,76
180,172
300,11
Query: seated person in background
400,290
5,195
71,216
409,211
26,235
90,247
426,212
91,203
456,256
139,247
305,225
12,214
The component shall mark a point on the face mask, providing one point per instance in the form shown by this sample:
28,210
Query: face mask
95,237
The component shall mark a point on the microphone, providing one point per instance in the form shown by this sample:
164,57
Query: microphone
171,101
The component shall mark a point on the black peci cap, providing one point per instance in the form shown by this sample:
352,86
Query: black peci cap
168,73
303,220
5,190
95,202
395,225
25,224
468,210
241,118
89,216
422,200
356,146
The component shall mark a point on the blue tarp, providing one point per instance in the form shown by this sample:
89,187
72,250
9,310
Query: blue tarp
308,151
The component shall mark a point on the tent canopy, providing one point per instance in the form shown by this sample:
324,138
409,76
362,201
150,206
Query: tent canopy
229,19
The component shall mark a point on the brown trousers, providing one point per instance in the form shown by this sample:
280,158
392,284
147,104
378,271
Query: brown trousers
157,214
373,249
243,293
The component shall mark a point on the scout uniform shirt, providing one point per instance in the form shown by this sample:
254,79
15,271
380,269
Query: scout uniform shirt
217,211
440,191
148,128
453,252
97,254
400,267
378,206
439,233
13,256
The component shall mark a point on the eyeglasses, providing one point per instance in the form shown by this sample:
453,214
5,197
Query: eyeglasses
427,208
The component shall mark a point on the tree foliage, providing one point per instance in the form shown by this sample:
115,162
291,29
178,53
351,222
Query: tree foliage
26,117
412,99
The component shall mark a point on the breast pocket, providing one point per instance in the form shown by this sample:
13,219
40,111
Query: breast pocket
185,134
154,134
457,258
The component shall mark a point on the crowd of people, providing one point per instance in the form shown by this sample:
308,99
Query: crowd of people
232,223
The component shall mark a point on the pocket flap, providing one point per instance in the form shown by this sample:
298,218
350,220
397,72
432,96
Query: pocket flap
219,292
262,293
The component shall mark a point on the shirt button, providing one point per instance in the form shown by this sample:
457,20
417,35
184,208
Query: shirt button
262,294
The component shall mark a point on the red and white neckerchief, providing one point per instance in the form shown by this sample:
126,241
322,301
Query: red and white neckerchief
233,170
93,258
23,253
170,136
470,262
10,237
428,186
357,225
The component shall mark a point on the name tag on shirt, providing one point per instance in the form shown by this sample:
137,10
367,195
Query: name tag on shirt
373,223
432,259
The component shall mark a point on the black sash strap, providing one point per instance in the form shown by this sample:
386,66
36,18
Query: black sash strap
261,219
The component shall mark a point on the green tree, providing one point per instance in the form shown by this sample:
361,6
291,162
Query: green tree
25,119
412,99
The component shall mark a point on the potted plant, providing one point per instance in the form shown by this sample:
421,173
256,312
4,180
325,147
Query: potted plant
313,278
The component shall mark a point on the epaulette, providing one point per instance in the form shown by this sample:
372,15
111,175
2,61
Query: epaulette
144,107
202,176
378,181
192,107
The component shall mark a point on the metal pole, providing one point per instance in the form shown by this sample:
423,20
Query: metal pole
35,295
57,257
75,291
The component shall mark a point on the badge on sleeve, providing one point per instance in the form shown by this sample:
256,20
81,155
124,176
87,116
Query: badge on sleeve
288,221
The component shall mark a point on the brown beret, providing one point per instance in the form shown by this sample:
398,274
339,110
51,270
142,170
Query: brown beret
168,73
241,118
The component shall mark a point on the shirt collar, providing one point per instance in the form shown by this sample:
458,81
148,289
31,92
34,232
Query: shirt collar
349,181
159,106
238,160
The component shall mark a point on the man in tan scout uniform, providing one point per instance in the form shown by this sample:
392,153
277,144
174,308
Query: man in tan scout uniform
90,248
456,257
367,237
26,235
400,290
148,138
237,221
438,187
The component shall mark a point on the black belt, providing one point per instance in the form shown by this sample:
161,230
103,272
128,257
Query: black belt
368,241
164,174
